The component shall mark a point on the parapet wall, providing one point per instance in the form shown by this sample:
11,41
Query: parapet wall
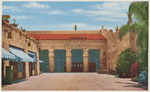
115,45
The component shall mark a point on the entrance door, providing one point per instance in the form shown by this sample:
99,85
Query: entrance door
75,67
94,59
30,68
92,67
78,67
60,58
77,60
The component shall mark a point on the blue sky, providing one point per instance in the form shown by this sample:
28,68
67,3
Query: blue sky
59,16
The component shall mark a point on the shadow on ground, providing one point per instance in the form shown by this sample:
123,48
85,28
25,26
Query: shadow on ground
133,85
21,80
17,81
138,86
123,83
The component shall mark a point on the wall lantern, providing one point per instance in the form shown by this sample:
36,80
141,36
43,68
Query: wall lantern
10,35
29,44
39,49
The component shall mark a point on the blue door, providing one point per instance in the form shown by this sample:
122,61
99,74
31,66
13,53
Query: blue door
60,59
94,57
77,60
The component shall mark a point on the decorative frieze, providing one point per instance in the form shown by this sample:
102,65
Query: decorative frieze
77,45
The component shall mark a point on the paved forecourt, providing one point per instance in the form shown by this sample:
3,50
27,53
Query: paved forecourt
74,81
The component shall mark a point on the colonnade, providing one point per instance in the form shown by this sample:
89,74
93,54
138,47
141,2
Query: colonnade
69,60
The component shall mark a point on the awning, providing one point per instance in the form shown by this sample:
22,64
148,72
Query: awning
41,61
22,56
7,55
33,55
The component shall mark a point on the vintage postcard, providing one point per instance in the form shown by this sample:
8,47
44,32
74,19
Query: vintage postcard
74,45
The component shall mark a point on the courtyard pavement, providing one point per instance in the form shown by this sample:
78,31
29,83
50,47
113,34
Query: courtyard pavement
74,81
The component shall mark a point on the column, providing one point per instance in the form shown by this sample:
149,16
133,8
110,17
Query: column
5,45
68,60
37,63
85,60
101,59
26,71
51,60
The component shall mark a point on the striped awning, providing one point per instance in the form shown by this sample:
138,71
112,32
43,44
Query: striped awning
21,56
7,55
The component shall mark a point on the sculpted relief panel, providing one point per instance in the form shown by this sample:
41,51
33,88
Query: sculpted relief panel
73,44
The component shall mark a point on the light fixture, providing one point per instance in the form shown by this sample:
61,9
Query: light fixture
29,43
10,35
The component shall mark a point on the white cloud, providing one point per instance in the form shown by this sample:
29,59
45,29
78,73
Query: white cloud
77,10
35,5
21,17
97,6
69,27
106,13
56,12
108,19
113,6
11,8
103,13
109,9
80,26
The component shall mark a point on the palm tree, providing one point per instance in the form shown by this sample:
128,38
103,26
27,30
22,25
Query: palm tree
140,11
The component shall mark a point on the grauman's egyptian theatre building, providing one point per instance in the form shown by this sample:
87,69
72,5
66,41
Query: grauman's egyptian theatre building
81,51
62,51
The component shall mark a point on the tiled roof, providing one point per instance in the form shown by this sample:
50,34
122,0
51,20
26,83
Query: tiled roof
67,36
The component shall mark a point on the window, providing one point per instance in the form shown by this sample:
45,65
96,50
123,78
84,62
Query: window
20,66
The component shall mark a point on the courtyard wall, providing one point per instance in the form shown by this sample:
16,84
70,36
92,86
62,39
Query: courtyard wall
115,46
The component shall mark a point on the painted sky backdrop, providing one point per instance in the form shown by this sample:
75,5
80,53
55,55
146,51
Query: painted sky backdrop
55,16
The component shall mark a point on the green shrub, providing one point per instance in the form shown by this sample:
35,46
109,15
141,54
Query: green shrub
135,79
124,62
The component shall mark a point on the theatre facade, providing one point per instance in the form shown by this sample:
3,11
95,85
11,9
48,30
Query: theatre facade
74,47
83,51
62,51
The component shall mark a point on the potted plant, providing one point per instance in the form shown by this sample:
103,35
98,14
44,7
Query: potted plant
14,24
5,18
116,28
24,30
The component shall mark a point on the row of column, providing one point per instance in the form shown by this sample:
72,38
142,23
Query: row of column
69,60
